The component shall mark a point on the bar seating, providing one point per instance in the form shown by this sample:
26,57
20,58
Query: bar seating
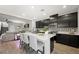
36,45
24,41
21,40
26,38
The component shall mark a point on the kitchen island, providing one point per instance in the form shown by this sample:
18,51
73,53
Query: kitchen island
45,38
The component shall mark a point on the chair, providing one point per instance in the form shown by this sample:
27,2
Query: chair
36,45
24,40
21,40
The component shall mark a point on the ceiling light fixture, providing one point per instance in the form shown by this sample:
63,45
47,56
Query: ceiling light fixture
64,6
32,6
44,14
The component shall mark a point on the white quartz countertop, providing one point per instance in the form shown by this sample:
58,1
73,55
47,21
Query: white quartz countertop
69,33
45,38
41,37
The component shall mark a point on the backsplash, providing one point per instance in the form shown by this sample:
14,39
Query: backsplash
63,29
67,29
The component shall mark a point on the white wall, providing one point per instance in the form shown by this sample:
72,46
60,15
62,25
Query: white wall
18,26
13,27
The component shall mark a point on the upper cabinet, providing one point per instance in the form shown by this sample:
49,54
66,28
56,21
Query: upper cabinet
63,21
39,24
68,20
53,18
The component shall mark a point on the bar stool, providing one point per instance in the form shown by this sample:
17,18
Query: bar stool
26,40
37,46
21,40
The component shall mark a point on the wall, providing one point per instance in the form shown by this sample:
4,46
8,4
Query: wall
18,26
13,27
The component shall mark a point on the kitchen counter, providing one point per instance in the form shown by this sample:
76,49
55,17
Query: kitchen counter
68,39
69,33
41,35
45,38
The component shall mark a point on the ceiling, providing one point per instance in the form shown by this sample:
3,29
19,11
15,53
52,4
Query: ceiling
36,12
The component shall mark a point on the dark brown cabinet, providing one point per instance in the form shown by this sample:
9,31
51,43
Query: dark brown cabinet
39,24
69,20
71,40
64,21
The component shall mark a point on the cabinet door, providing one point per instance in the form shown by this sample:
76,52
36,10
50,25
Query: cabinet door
62,38
39,24
51,44
68,21
73,41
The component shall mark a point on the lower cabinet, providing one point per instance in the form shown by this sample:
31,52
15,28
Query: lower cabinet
51,44
71,40
0,33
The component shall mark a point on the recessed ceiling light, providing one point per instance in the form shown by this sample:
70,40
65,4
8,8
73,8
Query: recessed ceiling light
64,6
32,6
44,14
